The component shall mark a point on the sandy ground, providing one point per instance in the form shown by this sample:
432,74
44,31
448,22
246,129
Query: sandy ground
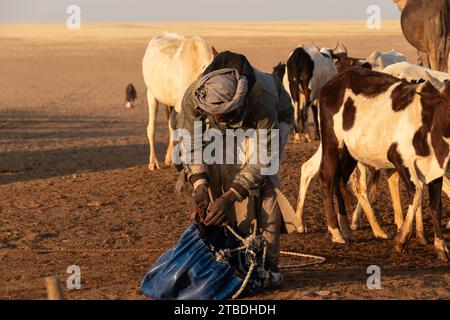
73,167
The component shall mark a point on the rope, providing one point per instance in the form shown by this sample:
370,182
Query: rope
61,250
246,280
318,259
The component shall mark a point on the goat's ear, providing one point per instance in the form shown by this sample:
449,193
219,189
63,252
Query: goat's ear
436,83
426,95
215,52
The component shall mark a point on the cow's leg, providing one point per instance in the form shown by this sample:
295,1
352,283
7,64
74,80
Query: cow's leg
327,177
446,186
393,182
315,110
435,189
168,159
304,123
420,233
363,199
297,120
357,213
406,230
152,112
372,182
346,166
308,171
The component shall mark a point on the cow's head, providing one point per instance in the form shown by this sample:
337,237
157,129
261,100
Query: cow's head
442,87
130,96
436,95
279,70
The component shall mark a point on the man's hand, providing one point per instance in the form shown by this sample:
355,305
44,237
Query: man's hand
216,214
201,196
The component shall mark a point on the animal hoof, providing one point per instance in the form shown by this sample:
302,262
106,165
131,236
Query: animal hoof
302,229
297,138
168,162
442,255
153,166
398,245
421,239
338,240
336,236
382,235
355,226
345,228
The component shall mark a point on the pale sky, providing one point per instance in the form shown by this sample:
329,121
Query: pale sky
54,11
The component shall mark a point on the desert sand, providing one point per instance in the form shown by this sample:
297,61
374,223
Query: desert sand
73,166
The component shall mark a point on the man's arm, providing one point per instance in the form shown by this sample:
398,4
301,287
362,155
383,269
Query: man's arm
189,117
248,181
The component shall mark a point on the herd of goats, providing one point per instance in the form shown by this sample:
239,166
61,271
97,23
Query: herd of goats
370,114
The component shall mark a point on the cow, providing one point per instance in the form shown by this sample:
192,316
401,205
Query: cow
386,123
341,59
367,176
307,70
380,60
414,73
130,96
426,26
170,64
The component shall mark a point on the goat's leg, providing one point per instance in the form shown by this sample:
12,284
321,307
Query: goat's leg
315,110
363,199
346,166
435,189
420,233
297,115
308,171
393,182
357,213
327,177
373,180
152,112
446,186
405,232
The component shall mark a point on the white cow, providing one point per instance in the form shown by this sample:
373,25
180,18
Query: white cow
380,60
360,182
414,73
171,63
413,139
307,71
